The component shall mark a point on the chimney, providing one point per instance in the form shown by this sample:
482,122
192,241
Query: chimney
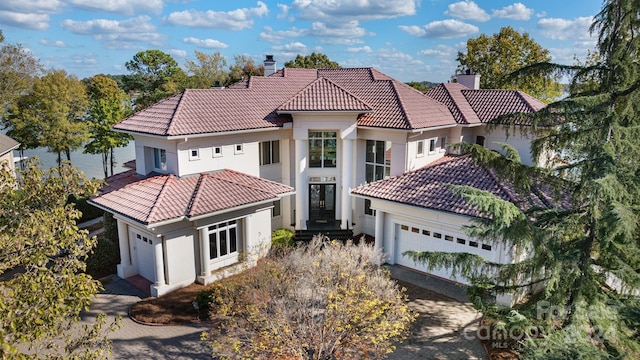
468,79
269,65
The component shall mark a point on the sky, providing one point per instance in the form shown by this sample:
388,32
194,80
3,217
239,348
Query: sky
410,40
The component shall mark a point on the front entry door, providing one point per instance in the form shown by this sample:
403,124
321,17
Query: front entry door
322,202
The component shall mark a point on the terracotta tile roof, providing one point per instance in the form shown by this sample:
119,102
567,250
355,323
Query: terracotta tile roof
252,103
7,144
158,198
324,95
470,106
429,187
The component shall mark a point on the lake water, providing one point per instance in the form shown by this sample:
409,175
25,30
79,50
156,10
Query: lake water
90,164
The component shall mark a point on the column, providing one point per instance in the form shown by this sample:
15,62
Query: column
249,246
159,262
301,184
347,176
379,235
204,252
455,136
123,240
285,161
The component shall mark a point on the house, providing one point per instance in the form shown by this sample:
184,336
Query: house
7,145
217,169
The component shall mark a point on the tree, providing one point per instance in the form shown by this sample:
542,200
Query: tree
242,68
313,61
207,70
155,75
324,301
107,105
495,57
42,280
17,71
584,252
51,114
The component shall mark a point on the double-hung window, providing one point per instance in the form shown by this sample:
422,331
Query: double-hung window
270,152
377,165
322,149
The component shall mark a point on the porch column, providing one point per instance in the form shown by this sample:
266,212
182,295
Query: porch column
301,184
123,241
285,160
158,261
204,252
347,176
379,235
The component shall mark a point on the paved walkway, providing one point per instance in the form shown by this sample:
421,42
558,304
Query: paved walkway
437,334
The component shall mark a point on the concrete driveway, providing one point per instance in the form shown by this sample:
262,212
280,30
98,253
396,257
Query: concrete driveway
438,333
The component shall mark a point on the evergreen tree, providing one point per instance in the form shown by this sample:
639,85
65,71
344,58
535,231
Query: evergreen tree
581,250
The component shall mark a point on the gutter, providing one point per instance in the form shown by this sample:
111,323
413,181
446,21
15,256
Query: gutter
195,136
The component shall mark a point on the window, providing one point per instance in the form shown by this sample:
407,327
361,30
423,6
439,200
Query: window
443,144
404,227
415,230
223,240
217,151
322,149
461,241
486,247
160,159
426,232
420,149
276,210
480,140
378,160
473,244
239,148
270,152
432,145
194,154
367,208
437,235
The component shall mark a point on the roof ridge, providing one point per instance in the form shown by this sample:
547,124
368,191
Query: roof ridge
174,115
194,194
402,106
455,103
502,186
519,93
156,204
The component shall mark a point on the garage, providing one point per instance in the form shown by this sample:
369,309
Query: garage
143,250
425,237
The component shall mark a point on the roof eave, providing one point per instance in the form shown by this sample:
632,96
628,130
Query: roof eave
235,208
201,135
307,112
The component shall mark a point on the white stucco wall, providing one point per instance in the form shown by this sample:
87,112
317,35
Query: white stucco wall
513,137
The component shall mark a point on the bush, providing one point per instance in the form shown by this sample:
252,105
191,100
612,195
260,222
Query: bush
104,258
89,212
282,239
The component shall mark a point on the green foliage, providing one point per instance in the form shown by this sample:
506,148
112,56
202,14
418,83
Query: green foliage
18,69
51,114
107,105
282,239
494,57
42,266
103,259
110,227
313,61
242,68
326,300
421,86
207,70
88,212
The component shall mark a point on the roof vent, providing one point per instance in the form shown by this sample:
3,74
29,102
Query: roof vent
269,65
469,79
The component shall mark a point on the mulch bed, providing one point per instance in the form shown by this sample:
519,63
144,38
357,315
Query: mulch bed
174,308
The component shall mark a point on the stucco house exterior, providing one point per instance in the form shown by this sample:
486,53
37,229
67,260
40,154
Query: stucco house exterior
307,149
7,145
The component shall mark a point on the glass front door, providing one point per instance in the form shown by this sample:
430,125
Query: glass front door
322,202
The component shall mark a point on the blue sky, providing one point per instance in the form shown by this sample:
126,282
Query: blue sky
411,40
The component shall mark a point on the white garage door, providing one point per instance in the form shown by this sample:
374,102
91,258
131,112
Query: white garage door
412,237
144,255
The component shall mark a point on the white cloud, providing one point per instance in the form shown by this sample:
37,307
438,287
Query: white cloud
284,10
440,51
178,53
117,34
25,21
350,9
123,7
516,11
349,29
562,29
227,20
206,43
292,48
364,49
276,37
467,10
28,14
56,43
341,41
442,29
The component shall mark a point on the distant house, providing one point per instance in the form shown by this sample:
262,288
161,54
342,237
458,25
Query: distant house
217,169
7,145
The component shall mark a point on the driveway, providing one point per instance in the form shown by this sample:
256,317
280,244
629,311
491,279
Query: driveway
438,333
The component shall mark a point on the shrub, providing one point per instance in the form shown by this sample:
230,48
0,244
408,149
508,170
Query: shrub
281,240
89,212
103,259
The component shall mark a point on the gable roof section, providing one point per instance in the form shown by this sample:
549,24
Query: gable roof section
159,198
324,95
7,144
429,187
470,106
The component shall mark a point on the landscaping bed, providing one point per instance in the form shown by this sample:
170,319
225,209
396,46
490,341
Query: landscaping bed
174,308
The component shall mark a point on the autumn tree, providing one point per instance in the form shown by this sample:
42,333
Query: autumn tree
51,114
17,72
207,70
154,76
326,300
313,61
494,57
42,261
582,250
243,67
108,104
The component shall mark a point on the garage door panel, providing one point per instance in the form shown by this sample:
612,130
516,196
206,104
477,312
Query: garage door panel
144,255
